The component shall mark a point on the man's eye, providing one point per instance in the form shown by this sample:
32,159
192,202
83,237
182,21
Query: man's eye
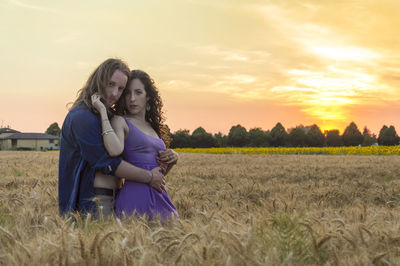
121,88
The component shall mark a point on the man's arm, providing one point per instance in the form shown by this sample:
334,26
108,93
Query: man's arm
130,172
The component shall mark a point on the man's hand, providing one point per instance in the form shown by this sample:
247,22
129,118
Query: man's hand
157,180
167,157
163,167
97,103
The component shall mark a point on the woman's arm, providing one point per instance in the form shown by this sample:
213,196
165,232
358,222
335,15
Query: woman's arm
113,133
115,142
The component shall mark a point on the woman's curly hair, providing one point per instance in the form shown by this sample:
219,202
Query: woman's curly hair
154,114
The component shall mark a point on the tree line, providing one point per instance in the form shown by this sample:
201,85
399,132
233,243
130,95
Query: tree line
278,136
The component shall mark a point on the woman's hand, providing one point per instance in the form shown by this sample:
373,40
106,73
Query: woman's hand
97,103
157,180
167,157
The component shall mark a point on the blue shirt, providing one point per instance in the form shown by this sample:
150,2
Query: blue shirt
82,153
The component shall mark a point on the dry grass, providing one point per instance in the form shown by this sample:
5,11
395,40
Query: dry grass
234,209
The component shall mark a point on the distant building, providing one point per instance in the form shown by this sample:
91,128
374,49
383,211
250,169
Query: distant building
13,140
5,132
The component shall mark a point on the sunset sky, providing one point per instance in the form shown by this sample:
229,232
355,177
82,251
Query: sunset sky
216,63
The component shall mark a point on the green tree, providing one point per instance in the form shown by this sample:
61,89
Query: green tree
388,136
222,140
54,129
297,137
180,139
278,135
201,139
258,138
333,138
268,137
392,135
238,136
381,136
368,138
352,136
315,138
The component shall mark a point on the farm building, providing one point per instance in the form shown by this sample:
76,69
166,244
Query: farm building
5,132
29,141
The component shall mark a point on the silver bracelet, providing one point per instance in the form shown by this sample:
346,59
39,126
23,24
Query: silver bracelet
105,132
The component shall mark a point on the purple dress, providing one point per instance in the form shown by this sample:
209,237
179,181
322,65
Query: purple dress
141,150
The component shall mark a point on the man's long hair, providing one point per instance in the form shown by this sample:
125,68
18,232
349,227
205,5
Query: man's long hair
154,114
98,81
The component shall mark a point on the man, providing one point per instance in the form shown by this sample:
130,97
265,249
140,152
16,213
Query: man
82,152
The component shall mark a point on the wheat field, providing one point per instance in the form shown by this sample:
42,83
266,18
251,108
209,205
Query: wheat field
234,210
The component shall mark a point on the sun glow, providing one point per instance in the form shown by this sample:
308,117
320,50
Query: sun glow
328,127
344,53
327,94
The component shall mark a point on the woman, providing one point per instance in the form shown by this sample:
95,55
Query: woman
141,136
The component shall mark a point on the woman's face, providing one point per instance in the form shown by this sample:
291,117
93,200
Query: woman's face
136,99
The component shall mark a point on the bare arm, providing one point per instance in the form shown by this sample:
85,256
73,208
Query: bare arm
113,133
130,172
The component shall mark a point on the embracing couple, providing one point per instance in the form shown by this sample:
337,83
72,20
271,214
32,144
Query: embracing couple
115,130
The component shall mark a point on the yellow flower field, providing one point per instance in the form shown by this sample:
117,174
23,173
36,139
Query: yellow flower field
371,150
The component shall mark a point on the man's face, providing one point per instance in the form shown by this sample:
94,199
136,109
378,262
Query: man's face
115,87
